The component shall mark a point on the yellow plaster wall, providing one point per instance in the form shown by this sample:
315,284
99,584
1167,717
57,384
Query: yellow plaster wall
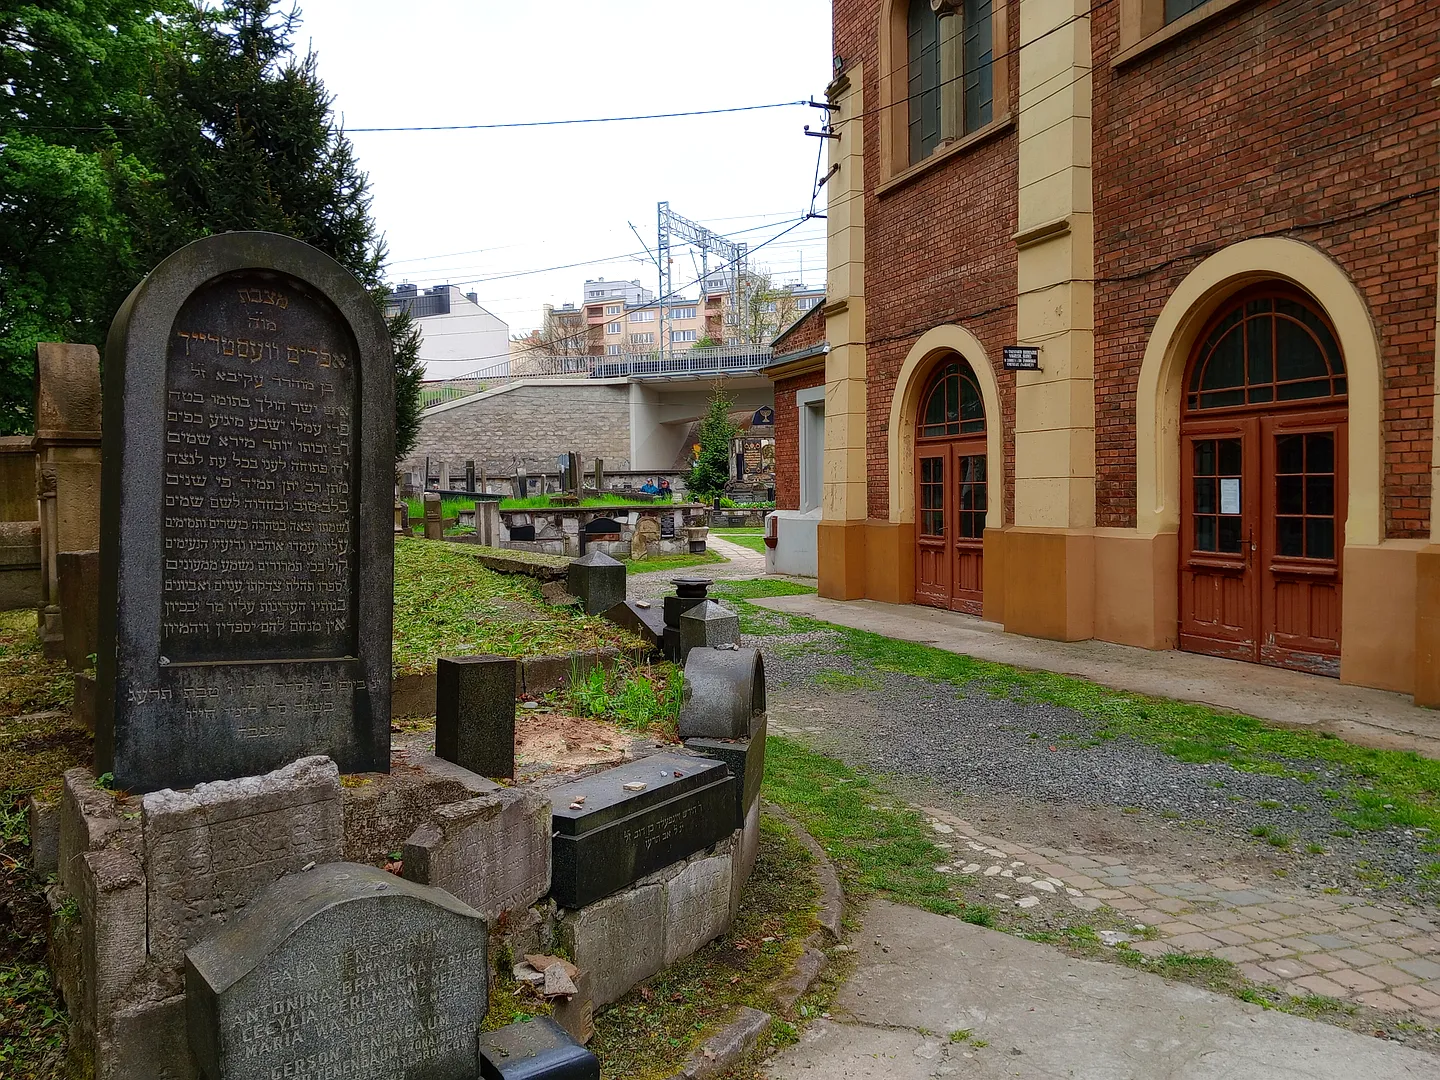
845,496
1137,588
1378,619
890,561
1055,406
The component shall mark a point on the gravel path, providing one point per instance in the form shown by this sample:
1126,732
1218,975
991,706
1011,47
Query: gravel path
963,746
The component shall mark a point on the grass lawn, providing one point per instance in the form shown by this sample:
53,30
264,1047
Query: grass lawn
543,502
37,744
447,604
671,562
648,1034
1383,788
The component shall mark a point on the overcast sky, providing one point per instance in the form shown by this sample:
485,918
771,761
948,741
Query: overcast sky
465,206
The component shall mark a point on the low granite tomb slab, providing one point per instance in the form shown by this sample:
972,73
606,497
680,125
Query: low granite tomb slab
343,970
538,1049
615,827
746,759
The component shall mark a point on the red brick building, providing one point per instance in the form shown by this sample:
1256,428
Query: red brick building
1216,221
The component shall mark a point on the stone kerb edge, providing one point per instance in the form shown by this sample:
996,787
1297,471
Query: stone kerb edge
734,1042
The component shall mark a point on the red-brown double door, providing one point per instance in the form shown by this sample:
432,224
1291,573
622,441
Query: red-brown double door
951,501
1262,539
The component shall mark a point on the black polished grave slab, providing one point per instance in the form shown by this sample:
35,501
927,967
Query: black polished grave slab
538,1049
475,714
616,836
246,539
746,759
343,970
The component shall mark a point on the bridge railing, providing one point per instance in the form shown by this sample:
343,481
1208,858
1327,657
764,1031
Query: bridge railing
720,360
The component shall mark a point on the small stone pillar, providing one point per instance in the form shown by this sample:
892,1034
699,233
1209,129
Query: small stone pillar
79,574
475,714
696,535
67,468
434,527
600,475
598,580
689,592
708,625
402,515
487,522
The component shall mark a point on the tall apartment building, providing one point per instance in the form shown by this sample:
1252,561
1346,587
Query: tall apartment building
630,328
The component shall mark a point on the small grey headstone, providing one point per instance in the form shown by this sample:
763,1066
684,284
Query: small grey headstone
434,526
598,580
475,714
707,625
724,694
343,970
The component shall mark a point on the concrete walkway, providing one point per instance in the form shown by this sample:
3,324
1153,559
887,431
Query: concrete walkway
1358,714
1044,1015
741,563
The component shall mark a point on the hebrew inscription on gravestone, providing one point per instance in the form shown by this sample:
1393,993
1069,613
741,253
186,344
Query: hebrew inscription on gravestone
246,555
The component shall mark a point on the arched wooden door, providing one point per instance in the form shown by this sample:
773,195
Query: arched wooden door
1263,487
952,493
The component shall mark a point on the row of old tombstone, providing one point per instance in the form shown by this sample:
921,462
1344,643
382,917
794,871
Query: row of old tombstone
246,591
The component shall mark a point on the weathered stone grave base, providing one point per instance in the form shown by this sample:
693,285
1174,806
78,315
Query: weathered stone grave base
624,939
141,879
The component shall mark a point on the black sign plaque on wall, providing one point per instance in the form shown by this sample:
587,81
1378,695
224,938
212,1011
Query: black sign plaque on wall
1021,358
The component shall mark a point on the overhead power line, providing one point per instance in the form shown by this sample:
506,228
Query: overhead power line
585,120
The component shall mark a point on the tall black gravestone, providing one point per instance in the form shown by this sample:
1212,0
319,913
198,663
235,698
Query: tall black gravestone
246,550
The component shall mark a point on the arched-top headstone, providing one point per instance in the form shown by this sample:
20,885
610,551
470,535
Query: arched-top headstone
343,970
724,694
246,547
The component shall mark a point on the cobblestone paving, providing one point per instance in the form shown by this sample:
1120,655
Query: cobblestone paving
1344,947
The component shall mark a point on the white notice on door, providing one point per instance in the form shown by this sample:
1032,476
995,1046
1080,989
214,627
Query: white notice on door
1230,495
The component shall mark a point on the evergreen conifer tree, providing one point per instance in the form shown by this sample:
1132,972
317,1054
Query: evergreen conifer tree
131,129
711,470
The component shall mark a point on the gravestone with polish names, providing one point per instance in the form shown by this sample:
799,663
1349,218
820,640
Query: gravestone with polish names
246,548
342,971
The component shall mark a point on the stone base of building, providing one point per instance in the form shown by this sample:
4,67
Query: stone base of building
1121,586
